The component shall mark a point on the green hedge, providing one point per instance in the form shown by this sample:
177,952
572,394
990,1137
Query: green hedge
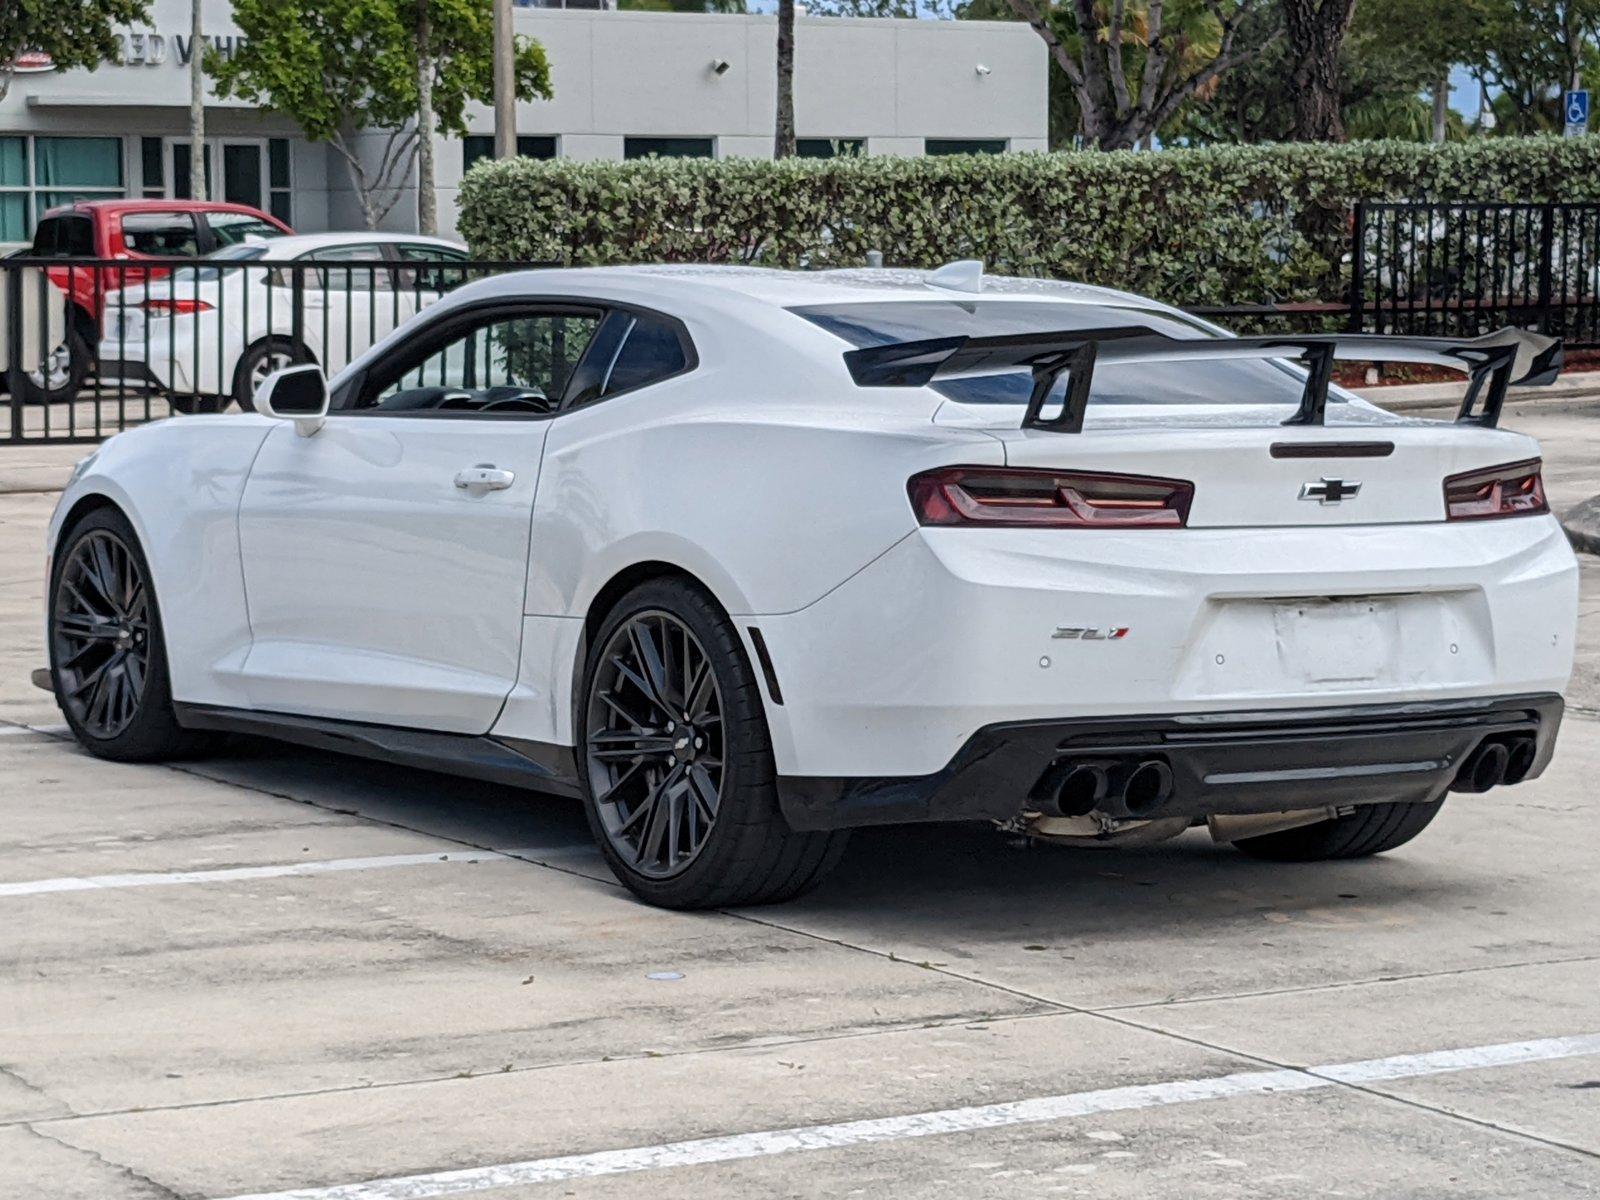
1213,226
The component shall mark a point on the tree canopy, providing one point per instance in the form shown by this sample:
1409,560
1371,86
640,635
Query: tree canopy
74,33
343,68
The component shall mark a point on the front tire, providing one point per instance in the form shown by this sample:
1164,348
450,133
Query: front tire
108,659
676,761
1370,829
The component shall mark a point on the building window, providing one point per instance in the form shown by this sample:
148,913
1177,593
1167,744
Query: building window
830,147
280,185
37,173
481,145
152,169
668,147
964,146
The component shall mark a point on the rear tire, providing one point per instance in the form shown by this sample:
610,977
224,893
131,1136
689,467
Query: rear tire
693,732
108,658
259,361
1371,829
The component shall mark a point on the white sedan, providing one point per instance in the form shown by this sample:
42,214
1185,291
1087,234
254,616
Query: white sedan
747,558
209,333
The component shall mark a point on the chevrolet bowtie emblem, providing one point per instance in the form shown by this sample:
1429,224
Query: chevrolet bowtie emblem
1329,491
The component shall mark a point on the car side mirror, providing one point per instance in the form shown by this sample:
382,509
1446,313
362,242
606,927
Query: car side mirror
298,394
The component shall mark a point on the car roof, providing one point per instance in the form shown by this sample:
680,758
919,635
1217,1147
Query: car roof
791,289
141,205
300,243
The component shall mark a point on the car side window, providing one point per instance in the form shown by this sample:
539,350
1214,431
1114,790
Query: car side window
433,272
652,350
349,278
501,365
231,228
161,235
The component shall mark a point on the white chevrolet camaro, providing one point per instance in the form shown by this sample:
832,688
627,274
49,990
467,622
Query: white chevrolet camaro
747,558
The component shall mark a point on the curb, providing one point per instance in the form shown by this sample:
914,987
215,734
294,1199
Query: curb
1582,525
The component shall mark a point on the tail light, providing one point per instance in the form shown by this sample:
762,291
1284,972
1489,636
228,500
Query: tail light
1512,490
175,307
1048,499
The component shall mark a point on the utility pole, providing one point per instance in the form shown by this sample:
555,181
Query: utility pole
197,106
505,82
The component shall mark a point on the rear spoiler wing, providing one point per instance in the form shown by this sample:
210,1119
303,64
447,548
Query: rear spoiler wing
1493,362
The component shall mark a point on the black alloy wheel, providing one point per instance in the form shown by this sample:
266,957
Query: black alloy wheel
101,635
108,658
676,759
655,744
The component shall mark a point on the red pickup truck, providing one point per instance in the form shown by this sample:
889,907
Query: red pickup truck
135,239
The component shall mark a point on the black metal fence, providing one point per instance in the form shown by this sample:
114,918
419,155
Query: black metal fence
89,347
1455,270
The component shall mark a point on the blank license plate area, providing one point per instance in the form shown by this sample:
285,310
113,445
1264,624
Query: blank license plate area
1326,642
1282,646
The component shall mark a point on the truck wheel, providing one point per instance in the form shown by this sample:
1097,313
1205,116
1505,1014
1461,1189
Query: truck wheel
1371,829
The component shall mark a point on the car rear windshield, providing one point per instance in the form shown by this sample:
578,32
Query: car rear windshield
243,252
1247,381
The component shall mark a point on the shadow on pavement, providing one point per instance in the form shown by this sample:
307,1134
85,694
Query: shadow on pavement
906,879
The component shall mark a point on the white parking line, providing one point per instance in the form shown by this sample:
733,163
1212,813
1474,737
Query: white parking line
951,1120
84,883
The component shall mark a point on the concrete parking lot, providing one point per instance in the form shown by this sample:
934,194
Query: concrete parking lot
281,974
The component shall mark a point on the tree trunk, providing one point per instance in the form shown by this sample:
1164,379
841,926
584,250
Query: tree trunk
1316,30
427,197
197,106
783,141
1441,109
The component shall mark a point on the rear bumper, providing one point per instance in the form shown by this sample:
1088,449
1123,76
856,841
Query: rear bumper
1226,762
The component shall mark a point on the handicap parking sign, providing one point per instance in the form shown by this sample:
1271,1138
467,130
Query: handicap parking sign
1577,110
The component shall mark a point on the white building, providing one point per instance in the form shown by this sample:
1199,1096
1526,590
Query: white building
626,84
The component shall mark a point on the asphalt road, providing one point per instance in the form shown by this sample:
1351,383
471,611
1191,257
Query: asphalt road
284,974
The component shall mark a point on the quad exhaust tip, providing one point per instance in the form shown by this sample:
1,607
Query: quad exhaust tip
1130,788
1495,763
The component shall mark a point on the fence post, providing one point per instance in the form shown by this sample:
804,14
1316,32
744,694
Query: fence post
1358,269
1547,222
297,310
12,344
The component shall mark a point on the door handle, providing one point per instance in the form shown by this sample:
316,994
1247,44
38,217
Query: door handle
485,477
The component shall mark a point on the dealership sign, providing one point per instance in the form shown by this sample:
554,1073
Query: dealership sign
142,48
148,49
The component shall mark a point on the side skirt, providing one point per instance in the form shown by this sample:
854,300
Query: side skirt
538,766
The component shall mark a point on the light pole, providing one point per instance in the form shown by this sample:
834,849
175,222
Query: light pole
505,82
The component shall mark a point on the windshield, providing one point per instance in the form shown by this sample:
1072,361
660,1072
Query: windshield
1246,381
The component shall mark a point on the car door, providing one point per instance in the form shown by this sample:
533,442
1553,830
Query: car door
385,557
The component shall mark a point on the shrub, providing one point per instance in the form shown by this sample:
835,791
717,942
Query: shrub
1211,226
